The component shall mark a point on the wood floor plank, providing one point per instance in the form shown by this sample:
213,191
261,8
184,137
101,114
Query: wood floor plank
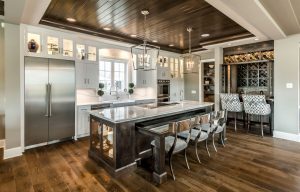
247,163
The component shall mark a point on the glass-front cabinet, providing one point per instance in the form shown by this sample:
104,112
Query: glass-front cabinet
53,47
33,43
67,47
86,52
102,141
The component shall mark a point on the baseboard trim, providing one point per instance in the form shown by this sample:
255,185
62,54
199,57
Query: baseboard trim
13,152
286,136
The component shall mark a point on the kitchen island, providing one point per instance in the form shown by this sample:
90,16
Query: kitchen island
118,139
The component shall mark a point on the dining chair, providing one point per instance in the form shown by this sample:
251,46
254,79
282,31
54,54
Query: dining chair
197,135
231,103
256,105
220,121
175,144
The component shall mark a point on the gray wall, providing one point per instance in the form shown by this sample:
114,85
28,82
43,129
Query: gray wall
2,80
286,70
12,85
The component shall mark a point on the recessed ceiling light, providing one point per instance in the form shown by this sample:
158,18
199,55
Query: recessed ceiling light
205,35
133,35
256,39
171,45
229,44
154,41
71,19
107,28
2,24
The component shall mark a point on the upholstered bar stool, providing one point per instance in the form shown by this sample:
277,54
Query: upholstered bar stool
220,123
256,105
175,144
231,102
197,135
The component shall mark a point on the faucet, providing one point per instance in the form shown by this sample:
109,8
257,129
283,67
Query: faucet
116,91
181,95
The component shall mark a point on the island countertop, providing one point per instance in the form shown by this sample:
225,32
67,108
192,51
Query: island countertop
142,112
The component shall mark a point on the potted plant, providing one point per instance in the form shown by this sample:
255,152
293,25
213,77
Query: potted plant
100,91
131,87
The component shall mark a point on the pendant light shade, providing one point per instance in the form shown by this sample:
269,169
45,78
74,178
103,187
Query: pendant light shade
145,56
191,61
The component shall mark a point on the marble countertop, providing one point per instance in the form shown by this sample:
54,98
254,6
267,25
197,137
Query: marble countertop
138,112
95,102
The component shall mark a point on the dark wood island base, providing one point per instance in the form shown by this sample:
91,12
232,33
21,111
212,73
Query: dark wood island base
117,145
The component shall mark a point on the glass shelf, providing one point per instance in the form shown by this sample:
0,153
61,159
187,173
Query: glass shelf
80,51
92,53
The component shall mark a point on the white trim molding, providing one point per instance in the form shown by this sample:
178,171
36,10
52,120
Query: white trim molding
286,136
13,152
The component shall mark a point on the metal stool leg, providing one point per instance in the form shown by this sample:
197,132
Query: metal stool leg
261,126
207,147
235,121
196,151
213,140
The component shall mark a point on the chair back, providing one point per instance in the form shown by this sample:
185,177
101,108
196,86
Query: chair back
256,104
231,102
180,126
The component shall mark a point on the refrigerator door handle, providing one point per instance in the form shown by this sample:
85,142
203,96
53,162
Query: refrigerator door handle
47,100
50,100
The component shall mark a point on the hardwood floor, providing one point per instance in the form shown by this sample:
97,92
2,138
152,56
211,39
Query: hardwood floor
247,163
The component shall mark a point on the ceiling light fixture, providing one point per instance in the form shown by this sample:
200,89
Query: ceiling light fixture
145,56
205,35
107,28
133,35
154,41
72,20
256,39
171,45
229,44
191,60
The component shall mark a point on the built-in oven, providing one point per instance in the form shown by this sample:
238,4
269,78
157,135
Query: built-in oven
163,90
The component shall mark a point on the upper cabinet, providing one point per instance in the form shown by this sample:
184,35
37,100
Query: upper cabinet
85,52
58,46
33,45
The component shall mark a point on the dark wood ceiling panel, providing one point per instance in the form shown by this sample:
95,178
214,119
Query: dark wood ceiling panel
166,23
1,7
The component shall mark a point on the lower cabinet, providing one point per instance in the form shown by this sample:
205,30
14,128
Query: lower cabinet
83,121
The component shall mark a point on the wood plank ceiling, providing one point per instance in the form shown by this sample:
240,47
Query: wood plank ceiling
166,23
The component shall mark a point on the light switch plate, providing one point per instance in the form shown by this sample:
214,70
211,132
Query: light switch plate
194,91
289,85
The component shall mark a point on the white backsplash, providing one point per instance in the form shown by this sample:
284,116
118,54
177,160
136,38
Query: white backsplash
90,95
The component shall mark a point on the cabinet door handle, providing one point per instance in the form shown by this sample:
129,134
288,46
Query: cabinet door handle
88,81
84,80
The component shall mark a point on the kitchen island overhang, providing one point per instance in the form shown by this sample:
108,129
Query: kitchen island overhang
115,141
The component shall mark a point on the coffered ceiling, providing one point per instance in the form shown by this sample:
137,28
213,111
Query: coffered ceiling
166,23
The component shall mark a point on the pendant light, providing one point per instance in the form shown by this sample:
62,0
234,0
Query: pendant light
192,61
145,56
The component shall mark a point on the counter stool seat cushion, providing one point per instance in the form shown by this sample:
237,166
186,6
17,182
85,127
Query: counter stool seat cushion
169,140
194,134
207,127
220,128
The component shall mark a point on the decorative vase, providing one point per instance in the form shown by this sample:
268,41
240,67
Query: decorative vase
33,46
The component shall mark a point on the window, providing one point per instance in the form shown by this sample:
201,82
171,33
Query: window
113,74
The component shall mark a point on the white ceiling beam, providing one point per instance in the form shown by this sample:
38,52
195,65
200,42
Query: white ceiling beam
251,15
34,11
13,10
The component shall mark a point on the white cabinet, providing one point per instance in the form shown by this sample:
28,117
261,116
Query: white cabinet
58,46
87,53
83,121
49,44
87,75
163,73
145,78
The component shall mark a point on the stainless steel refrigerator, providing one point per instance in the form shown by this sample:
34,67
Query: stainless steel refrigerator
49,100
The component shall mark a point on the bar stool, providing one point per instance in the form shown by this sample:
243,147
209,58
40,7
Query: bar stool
174,144
256,105
197,135
220,123
231,102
